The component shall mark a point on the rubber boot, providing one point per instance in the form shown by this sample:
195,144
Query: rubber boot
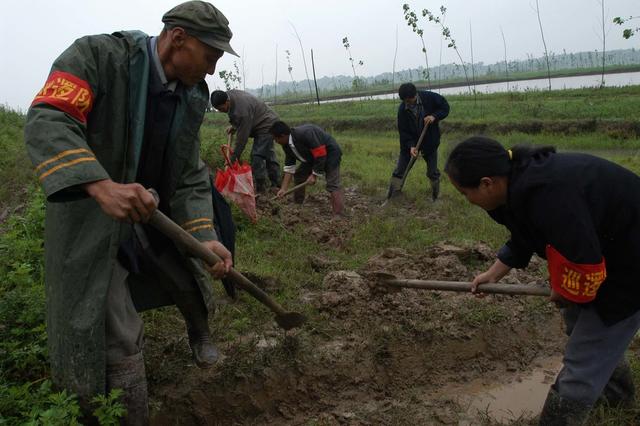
394,187
204,352
620,390
337,202
274,177
261,186
129,375
435,189
559,411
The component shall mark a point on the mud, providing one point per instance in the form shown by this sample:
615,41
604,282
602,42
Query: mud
523,397
364,358
315,217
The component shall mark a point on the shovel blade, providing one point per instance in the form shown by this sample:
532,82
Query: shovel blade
290,320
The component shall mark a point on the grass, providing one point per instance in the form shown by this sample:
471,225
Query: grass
615,104
268,250
15,167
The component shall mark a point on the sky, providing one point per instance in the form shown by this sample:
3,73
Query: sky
34,32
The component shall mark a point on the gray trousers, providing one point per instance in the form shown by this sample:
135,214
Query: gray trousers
331,175
264,163
123,325
592,353
431,159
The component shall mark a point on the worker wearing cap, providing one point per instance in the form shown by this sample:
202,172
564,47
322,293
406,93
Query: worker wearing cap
118,114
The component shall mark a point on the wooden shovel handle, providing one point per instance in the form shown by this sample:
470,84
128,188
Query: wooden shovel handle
295,188
192,246
513,289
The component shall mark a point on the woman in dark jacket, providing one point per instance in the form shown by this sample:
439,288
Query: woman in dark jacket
582,214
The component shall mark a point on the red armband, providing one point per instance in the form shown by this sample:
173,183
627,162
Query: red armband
68,93
320,151
577,282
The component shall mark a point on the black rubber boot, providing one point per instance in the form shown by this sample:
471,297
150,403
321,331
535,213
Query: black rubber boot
195,314
274,177
394,187
129,375
559,411
261,186
435,189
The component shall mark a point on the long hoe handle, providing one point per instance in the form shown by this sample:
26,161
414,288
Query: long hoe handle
289,191
413,159
513,289
181,237
286,320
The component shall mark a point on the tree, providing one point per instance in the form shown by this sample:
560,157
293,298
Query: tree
412,21
604,39
506,65
231,79
395,54
627,32
304,60
473,68
290,69
275,84
357,82
544,43
446,33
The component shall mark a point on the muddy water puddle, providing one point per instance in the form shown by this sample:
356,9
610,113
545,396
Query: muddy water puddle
521,398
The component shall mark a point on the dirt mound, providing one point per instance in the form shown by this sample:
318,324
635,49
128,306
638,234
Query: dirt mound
366,358
315,214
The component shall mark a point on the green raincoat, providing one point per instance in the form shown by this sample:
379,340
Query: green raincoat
87,124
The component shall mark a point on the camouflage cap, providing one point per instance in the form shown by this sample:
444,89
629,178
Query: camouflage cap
204,22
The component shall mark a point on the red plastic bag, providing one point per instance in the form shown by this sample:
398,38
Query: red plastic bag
235,183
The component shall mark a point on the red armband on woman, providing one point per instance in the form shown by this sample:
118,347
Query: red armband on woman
577,282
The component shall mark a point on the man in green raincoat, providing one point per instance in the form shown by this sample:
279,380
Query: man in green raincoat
118,114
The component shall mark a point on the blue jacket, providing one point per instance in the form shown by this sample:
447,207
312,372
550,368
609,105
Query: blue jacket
430,103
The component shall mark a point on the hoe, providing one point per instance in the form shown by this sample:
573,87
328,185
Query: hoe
400,185
286,320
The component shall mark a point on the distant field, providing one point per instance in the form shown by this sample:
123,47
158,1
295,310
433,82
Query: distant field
611,110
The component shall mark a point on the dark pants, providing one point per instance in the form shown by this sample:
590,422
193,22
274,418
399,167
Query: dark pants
593,352
264,162
431,159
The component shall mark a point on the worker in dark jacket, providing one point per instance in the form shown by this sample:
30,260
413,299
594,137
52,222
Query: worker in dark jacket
582,214
318,153
251,117
419,109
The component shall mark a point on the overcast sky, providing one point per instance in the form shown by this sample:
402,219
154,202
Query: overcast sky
34,32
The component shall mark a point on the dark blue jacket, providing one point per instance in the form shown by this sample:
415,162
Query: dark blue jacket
410,128
316,147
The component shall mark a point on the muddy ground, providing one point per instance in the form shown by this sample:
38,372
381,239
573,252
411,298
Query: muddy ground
364,358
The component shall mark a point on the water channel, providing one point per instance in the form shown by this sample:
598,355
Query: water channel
557,83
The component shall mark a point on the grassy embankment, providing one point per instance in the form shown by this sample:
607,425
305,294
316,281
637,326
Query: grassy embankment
601,121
